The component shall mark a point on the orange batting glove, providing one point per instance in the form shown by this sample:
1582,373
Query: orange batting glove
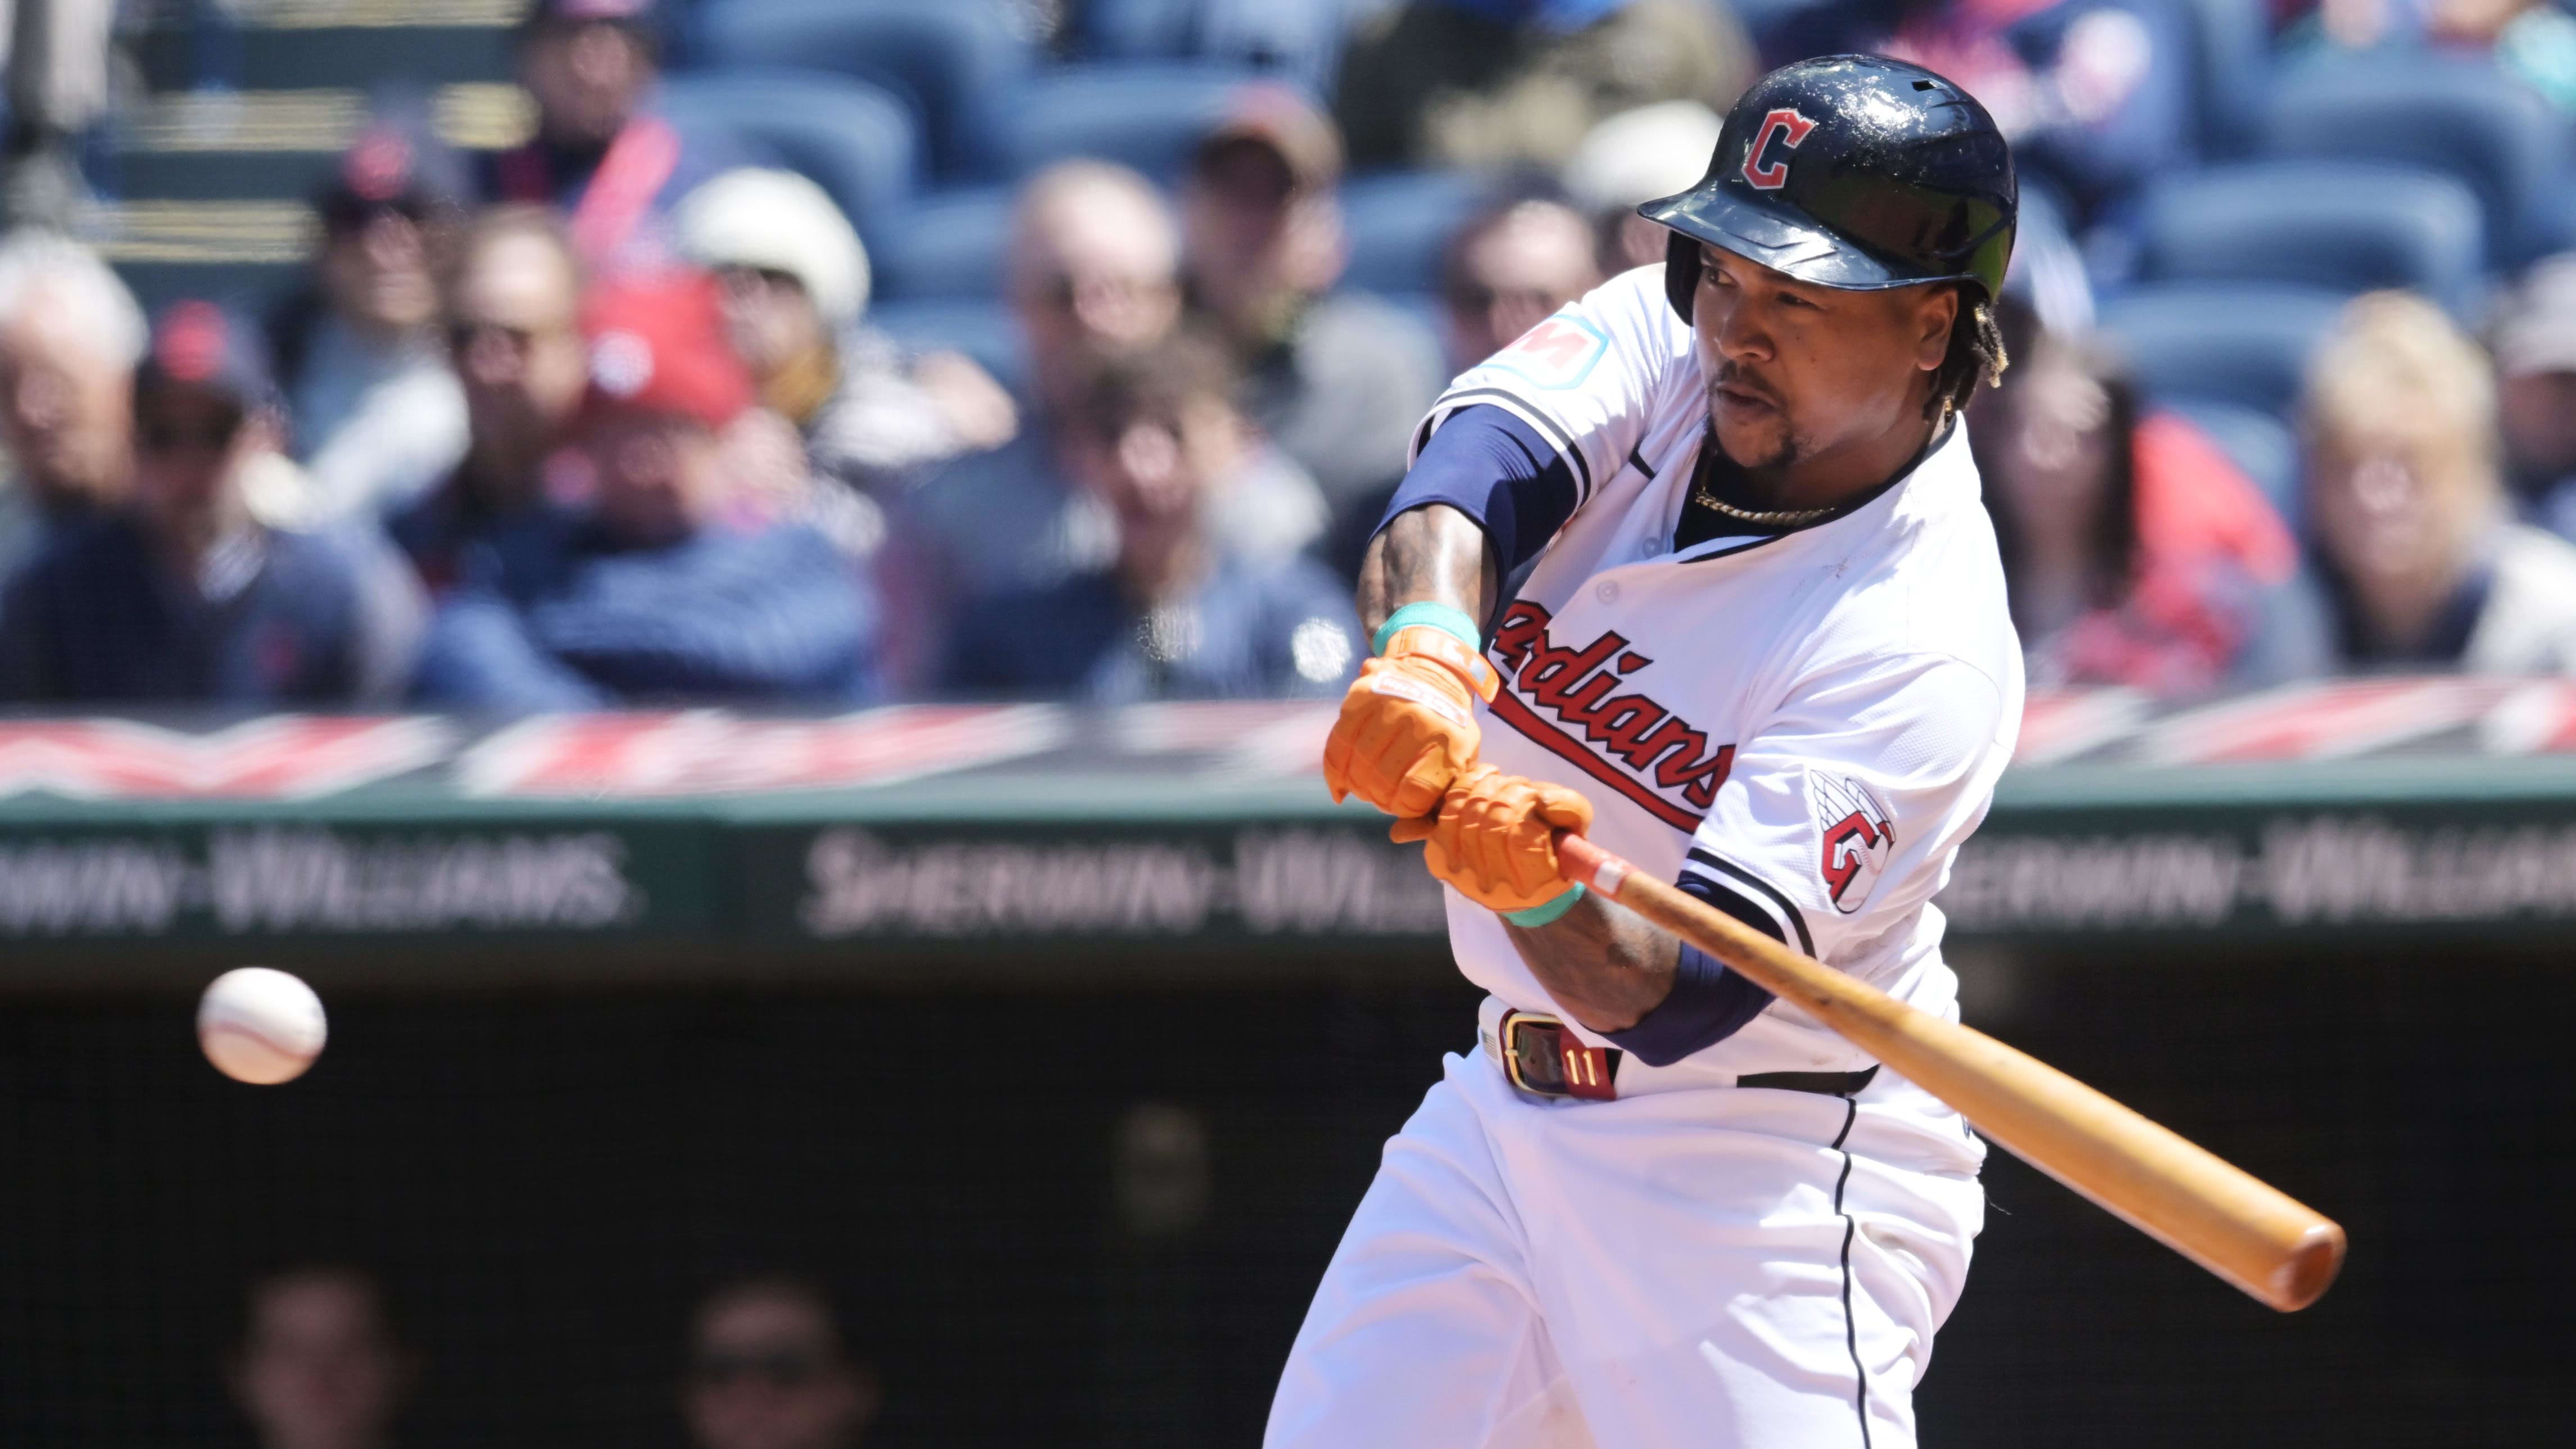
1408,724
1495,838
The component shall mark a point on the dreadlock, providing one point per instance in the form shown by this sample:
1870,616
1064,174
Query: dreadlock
1976,358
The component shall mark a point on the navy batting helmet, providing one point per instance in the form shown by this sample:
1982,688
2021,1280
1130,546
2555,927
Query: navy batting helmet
1850,171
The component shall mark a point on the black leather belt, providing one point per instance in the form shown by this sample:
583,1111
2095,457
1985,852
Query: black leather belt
1544,1059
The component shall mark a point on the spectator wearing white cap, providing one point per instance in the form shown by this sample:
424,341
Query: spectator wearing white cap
796,288
2535,353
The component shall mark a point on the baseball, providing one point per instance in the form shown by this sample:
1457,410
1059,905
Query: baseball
260,1026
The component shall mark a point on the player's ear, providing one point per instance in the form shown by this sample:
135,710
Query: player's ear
1936,311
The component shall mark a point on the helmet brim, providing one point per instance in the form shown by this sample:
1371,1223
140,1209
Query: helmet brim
1777,236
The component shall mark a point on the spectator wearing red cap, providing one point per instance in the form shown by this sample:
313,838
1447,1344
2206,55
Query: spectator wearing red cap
378,414
1176,613
185,595
648,593
1337,379
600,156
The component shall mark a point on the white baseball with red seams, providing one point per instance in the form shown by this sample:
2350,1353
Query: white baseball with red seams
260,1025
1805,725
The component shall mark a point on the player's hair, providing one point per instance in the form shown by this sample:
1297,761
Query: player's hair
1976,357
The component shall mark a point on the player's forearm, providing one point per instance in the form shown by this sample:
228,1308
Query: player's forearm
1602,962
1432,554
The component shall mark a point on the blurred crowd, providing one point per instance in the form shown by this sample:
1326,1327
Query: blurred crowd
321,1360
605,419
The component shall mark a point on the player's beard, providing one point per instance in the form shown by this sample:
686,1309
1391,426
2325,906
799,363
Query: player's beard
1766,445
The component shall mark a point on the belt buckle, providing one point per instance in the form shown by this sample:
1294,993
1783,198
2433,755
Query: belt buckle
1544,1059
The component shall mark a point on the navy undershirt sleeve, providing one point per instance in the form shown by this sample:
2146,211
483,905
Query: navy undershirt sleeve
1497,470
1708,1003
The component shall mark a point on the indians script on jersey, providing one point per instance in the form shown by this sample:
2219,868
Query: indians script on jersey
1578,701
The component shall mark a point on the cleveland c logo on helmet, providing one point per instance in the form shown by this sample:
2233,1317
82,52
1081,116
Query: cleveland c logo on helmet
1791,128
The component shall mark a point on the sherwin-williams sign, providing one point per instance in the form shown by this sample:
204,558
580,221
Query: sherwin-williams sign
2444,804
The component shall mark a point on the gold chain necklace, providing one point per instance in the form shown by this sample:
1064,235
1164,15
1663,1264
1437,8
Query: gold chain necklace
1783,518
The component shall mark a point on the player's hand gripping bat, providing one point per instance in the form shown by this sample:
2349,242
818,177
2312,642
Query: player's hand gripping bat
2219,1216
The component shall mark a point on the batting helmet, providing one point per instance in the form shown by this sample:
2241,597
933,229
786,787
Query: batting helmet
1850,171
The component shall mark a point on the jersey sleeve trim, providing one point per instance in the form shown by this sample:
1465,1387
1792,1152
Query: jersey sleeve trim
1494,467
1549,428
1706,868
1707,1003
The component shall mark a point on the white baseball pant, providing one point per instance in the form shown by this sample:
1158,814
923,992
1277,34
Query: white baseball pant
1716,1267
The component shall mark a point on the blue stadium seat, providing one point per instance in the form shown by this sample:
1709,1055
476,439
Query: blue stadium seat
951,245
853,139
2348,226
2260,444
984,331
2231,68
2245,343
1298,39
948,58
2447,113
1147,114
1400,223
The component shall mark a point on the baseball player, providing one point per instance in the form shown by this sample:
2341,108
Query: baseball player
1758,643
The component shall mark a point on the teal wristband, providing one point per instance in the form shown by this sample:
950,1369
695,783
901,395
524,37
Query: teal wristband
1546,911
1439,616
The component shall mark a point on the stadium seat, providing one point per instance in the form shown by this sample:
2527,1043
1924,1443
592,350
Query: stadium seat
2260,444
2347,226
853,139
2231,68
2245,343
951,245
1147,114
2446,113
984,331
1400,223
1297,39
948,58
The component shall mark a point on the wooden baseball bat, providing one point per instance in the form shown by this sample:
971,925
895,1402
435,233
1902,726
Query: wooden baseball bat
2218,1215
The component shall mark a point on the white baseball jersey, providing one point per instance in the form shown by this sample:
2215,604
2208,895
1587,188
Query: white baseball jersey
1812,721
1804,727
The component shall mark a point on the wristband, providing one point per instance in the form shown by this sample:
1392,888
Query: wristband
1545,911
1448,620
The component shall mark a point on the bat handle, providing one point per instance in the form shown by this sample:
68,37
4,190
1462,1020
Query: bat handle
1586,864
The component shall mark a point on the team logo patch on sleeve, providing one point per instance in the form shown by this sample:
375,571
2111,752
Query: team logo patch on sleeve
1857,838
1556,354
